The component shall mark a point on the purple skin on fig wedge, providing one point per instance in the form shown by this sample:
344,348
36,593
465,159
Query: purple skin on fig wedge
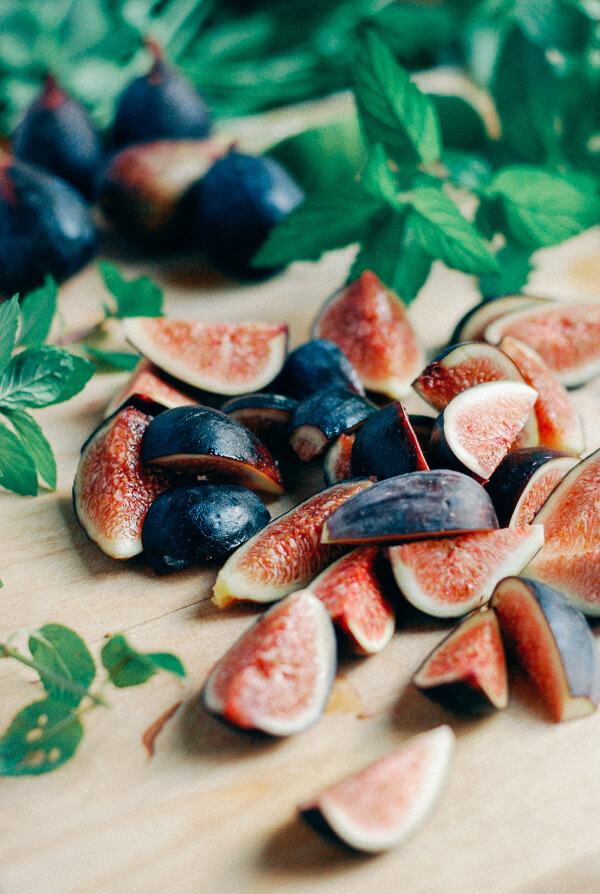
386,445
266,415
320,418
314,366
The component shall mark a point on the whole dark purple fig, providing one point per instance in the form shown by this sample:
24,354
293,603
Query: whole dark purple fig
45,227
159,105
57,134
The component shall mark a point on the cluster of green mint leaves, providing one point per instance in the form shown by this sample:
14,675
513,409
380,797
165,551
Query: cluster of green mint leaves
401,208
46,733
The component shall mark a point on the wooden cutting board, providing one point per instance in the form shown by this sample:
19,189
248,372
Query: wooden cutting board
162,798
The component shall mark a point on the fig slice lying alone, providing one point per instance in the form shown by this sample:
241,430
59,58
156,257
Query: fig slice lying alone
278,676
554,644
381,806
449,576
222,358
287,554
467,671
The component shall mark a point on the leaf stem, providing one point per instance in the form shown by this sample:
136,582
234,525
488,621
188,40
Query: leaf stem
57,679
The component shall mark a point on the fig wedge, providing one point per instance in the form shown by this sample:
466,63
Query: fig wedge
473,324
287,554
352,591
448,577
320,418
266,415
315,365
336,465
410,506
382,805
554,644
477,428
148,381
277,677
386,445
467,670
204,441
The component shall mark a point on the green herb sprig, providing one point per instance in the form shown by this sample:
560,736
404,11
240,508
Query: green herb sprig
46,733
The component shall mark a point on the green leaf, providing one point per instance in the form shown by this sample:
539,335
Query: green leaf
80,373
139,297
37,311
64,654
41,737
17,468
542,209
515,268
392,110
128,667
167,662
324,221
378,180
556,24
467,171
35,378
35,444
9,323
443,232
113,360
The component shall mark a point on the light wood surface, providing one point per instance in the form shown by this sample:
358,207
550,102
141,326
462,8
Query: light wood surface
213,810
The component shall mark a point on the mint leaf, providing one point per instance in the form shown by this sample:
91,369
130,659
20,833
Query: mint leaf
324,221
542,209
34,443
134,298
515,268
64,654
127,667
378,180
392,110
38,377
81,371
37,311
41,737
113,360
17,468
9,323
167,662
441,230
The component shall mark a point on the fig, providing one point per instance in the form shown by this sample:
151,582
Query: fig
566,335
386,445
267,415
190,525
320,418
277,677
159,105
208,442
370,324
113,489
410,506
315,365
336,465
422,426
45,227
287,554
477,428
382,805
234,207
450,576
553,643
223,358
467,670
524,479
558,422
352,590
472,325
147,380
57,134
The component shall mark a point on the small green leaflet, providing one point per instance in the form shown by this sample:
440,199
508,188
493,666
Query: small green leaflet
113,360
9,324
127,667
17,468
34,443
37,312
64,654
39,377
135,298
515,268
41,737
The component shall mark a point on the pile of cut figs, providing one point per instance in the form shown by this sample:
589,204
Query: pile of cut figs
480,509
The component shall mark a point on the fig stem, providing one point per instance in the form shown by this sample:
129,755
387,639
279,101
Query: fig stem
52,676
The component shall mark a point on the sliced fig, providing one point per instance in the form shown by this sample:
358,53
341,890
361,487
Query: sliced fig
371,326
208,442
267,415
467,670
475,431
277,677
224,358
473,324
386,445
422,426
315,365
147,380
352,591
448,577
113,489
382,805
320,418
524,479
336,465
190,525
558,421
565,334
287,554
410,506
554,644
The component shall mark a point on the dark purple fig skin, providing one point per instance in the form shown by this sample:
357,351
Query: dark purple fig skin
206,441
191,525
386,445
45,227
267,415
314,366
320,418
410,506
159,105
57,134
422,426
